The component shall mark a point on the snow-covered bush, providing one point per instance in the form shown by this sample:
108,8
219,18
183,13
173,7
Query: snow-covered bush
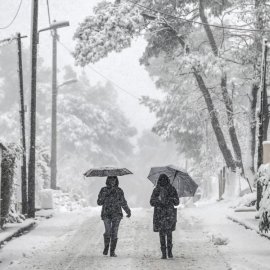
263,176
10,156
67,201
247,200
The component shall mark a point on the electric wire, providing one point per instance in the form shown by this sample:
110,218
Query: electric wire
14,18
100,74
196,22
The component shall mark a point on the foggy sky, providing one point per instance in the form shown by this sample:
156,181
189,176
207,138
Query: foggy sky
122,68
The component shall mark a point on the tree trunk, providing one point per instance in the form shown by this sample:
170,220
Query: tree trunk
215,122
259,4
229,110
211,109
225,95
258,36
252,125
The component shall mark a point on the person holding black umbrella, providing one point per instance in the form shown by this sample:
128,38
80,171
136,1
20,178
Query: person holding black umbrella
163,199
112,200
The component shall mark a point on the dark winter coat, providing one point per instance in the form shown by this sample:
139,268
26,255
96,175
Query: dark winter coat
112,200
163,199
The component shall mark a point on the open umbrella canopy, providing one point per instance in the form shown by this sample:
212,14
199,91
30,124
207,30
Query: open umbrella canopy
179,178
106,171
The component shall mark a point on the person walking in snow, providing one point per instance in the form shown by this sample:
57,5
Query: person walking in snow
163,199
112,200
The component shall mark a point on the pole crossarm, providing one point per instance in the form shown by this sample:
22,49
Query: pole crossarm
10,39
55,25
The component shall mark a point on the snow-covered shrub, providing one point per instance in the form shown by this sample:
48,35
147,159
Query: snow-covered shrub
14,216
10,156
46,198
263,176
247,200
67,201
42,166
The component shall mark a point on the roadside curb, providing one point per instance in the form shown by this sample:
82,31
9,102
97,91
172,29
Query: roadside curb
248,226
16,232
17,229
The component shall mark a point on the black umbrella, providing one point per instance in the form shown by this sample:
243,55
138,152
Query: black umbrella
107,171
179,178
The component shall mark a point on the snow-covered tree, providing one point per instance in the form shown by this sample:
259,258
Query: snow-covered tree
92,129
213,60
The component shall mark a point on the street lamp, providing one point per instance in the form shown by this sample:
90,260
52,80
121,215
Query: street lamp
53,27
67,82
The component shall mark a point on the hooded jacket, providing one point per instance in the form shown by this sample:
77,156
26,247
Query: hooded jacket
112,200
163,199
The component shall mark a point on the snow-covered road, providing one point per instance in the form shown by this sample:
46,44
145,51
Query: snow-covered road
75,241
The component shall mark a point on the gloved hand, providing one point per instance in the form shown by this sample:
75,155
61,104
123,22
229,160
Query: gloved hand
129,214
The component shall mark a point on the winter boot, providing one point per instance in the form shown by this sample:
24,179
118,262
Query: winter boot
163,250
170,255
106,245
113,246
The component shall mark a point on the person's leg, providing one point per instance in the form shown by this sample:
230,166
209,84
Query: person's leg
169,244
107,235
162,237
114,234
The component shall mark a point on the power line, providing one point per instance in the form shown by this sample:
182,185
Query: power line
100,74
119,87
11,22
196,22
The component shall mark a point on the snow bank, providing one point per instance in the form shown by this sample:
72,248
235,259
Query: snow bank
67,202
247,200
232,185
59,200
46,199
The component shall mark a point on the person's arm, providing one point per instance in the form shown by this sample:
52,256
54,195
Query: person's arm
175,198
123,203
154,201
101,196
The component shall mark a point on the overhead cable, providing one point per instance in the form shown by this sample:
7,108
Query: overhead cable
13,19
197,22
100,74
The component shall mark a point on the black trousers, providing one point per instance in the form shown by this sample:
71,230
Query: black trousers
162,236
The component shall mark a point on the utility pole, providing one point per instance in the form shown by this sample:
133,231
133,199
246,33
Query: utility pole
53,28
32,151
54,111
2,149
22,119
263,115
23,139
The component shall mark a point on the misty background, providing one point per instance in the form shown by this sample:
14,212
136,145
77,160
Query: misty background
100,122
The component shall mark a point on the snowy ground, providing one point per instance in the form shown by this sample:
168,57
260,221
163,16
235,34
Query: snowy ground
74,240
